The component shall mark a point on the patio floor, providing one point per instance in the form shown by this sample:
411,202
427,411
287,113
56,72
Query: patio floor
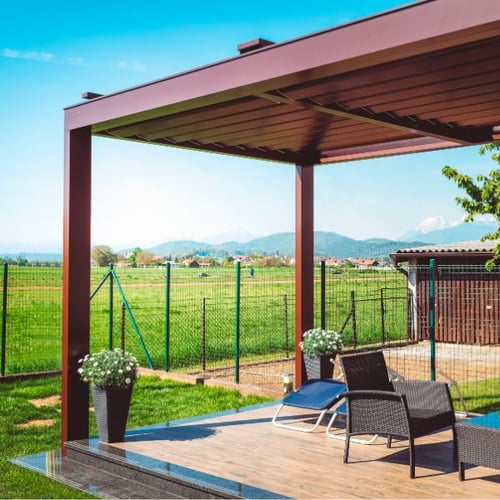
240,454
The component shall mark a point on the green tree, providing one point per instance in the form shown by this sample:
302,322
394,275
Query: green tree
132,258
102,255
482,194
144,258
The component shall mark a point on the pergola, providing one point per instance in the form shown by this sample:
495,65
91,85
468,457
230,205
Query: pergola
420,77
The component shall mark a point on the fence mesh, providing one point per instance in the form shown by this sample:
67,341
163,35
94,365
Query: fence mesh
189,322
31,319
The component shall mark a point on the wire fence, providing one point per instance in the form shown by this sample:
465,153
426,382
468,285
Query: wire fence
215,322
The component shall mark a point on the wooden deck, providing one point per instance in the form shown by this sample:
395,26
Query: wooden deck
246,448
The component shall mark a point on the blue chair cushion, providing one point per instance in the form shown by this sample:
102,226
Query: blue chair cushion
316,394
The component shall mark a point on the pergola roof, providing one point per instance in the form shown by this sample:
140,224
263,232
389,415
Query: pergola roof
420,77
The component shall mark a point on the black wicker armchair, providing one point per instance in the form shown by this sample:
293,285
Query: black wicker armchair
405,409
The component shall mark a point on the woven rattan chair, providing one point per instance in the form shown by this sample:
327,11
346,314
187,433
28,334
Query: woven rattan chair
404,409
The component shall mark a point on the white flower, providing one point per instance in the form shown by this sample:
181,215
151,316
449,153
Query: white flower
317,341
105,368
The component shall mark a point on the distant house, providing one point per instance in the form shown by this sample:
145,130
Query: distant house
467,297
333,262
190,263
366,263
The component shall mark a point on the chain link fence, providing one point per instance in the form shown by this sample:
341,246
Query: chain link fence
215,322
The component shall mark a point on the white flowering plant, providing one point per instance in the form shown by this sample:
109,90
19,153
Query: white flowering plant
109,368
318,341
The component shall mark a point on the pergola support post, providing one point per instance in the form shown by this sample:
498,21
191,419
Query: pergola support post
76,282
304,263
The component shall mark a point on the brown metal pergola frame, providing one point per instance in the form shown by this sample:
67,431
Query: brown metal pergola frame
416,78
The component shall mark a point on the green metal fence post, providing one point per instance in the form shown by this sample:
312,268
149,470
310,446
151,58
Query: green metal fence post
353,316
110,333
382,314
285,319
4,315
167,318
323,294
432,315
237,325
122,332
203,335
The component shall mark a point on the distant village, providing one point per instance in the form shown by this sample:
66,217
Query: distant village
103,256
245,260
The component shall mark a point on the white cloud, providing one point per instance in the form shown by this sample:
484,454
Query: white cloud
130,66
30,55
77,61
48,57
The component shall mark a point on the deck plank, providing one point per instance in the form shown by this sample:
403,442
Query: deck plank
245,447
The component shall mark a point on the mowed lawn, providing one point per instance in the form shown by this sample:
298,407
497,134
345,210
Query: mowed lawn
195,323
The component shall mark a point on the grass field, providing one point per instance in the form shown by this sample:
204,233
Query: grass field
202,310
368,306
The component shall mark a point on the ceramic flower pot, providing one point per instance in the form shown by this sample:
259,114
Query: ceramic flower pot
318,367
111,410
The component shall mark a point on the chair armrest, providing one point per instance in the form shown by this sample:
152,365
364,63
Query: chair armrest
377,412
425,394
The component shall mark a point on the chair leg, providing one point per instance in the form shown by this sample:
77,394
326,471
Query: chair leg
461,471
412,458
346,448
285,425
455,447
389,441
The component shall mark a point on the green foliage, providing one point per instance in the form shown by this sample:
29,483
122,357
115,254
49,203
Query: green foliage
144,258
482,195
132,258
102,255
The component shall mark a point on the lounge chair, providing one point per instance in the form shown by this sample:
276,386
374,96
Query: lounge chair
317,396
402,409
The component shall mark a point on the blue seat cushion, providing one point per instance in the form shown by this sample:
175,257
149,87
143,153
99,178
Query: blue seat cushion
316,394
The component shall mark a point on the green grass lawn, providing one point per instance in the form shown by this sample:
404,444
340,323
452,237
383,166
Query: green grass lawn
202,314
153,401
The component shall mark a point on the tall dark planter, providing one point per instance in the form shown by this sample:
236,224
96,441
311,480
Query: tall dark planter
111,412
318,366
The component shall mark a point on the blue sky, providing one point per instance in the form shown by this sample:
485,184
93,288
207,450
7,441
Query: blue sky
51,52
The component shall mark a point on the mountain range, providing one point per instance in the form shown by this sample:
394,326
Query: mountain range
326,244
283,244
